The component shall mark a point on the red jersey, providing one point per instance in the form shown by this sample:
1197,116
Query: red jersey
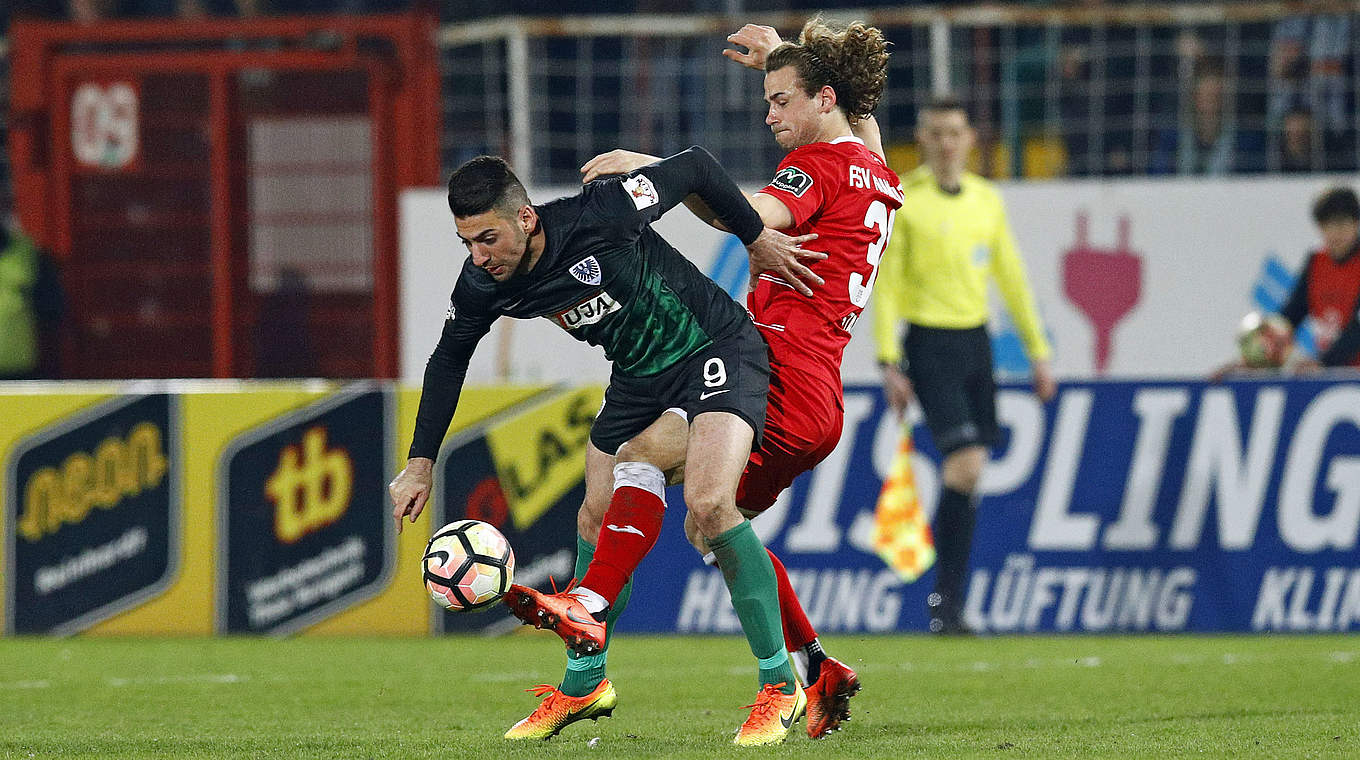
847,195
1333,297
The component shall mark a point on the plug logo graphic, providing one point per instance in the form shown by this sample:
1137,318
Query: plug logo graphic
1104,284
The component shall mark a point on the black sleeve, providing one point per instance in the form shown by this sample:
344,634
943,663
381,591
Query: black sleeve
445,372
1296,308
1344,349
655,189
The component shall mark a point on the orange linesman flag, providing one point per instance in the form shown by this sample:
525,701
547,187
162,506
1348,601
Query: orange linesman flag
901,534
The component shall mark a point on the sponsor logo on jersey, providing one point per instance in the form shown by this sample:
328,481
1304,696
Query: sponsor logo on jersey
641,191
793,180
587,270
588,312
450,314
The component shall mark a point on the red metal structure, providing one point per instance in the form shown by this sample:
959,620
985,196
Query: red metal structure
222,194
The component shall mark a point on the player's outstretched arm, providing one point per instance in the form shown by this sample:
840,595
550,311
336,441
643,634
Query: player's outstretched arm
617,161
445,371
697,174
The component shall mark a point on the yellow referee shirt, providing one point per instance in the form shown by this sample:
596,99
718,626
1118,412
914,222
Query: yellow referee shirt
934,270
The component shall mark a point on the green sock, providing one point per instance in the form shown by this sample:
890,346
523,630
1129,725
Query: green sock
755,596
584,673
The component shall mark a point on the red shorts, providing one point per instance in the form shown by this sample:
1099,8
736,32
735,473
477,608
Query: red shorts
802,426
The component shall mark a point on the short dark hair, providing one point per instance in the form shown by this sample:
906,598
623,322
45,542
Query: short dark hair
946,103
485,183
1335,204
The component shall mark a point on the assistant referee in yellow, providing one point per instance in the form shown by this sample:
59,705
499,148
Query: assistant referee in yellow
950,235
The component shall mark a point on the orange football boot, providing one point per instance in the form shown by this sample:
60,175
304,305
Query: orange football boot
828,699
557,711
773,715
560,613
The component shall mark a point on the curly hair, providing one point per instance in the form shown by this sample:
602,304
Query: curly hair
853,60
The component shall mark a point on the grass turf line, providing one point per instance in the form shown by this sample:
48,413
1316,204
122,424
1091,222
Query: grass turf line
453,697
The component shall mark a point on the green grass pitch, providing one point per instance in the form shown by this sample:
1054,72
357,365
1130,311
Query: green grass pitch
451,698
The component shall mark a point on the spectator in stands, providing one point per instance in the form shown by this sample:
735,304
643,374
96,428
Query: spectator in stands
199,9
1328,289
1295,150
1208,141
1308,56
1074,101
92,11
30,9
30,304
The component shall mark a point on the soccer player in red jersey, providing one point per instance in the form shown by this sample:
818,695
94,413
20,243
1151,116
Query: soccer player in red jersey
834,183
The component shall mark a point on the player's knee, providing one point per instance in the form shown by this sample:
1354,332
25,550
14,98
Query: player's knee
640,451
590,517
695,536
962,469
710,509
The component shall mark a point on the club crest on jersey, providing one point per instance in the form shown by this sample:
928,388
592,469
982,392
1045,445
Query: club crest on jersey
588,312
641,191
586,271
791,179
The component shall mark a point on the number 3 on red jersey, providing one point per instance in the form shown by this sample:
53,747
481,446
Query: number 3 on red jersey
880,216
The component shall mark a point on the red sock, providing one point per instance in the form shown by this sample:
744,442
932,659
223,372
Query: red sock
630,528
798,630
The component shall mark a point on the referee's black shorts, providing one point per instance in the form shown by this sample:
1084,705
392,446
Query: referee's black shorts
951,375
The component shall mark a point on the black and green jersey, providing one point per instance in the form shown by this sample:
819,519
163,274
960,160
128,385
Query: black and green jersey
606,278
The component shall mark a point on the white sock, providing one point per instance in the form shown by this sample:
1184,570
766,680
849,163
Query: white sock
800,664
592,601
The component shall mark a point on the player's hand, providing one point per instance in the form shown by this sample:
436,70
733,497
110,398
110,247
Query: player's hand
1307,367
897,388
758,40
1045,387
1221,373
411,489
782,255
616,161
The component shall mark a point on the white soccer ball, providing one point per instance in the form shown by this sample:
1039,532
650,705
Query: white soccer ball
468,566
1265,340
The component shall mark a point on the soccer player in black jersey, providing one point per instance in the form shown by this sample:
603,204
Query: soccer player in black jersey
592,264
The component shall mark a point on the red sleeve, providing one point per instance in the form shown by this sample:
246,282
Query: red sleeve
802,183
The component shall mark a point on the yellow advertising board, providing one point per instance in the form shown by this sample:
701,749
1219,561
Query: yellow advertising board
229,507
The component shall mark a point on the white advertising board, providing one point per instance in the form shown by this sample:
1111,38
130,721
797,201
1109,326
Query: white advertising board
1165,270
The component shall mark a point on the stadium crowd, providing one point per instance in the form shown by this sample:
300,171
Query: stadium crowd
1080,99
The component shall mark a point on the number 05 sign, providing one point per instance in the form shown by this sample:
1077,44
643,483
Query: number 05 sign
104,125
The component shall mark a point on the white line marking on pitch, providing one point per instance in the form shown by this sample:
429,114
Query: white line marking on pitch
506,677
25,684
200,678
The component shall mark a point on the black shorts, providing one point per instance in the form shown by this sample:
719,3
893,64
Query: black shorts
730,375
951,374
